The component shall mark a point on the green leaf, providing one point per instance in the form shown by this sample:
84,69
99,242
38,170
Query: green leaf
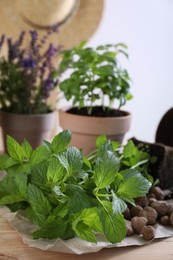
105,170
113,225
105,70
35,218
61,141
14,149
118,205
134,187
85,222
102,139
38,174
78,199
57,227
85,232
82,44
21,182
27,149
37,200
61,210
3,160
90,217
55,171
10,199
39,155
129,149
75,160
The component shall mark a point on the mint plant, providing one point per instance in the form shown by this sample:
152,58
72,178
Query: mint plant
68,195
95,75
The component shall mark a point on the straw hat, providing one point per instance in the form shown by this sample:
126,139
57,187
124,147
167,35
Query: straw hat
78,19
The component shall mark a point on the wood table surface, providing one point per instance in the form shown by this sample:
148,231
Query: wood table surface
12,247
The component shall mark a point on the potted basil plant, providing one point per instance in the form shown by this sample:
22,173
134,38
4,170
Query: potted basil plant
26,82
98,87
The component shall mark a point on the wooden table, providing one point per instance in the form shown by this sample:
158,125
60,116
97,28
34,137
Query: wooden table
12,247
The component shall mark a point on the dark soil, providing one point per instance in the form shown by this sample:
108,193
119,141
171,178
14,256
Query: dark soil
97,112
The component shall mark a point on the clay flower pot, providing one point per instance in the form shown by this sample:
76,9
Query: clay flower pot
86,129
33,128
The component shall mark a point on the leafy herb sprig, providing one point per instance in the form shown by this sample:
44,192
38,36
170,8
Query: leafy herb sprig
95,76
68,195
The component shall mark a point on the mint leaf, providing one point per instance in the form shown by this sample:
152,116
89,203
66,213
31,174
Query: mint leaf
85,232
90,218
61,141
10,199
57,227
39,155
27,149
14,149
113,225
35,218
77,198
3,160
61,210
37,200
21,182
105,170
102,139
118,205
131,186
38,174
75,160
55,171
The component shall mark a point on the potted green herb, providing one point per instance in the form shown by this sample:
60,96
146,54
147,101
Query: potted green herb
67,195
26,82
96,84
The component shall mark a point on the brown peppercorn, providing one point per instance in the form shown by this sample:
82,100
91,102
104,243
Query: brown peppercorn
158,193
161,207
134,211
127,214
138,223
151,200
165,220
150,214
151,196
129,228
170,209
148,232
142,201
171,218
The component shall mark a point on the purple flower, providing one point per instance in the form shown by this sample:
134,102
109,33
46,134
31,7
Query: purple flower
2,40
12,50
29,63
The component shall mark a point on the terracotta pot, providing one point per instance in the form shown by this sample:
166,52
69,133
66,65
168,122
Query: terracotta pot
86,129
33,128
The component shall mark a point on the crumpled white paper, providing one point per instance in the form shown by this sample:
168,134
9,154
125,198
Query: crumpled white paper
75,245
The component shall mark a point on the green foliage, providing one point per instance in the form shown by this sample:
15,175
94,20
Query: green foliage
95,73
69,195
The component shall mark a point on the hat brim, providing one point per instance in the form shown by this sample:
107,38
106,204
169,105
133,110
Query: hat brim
81,27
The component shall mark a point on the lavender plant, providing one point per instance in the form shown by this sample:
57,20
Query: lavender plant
27,73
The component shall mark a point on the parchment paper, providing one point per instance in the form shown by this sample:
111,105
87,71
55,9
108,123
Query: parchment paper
75,245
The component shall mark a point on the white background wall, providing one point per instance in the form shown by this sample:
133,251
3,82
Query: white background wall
146,26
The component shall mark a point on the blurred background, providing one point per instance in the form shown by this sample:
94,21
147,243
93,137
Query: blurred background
147,28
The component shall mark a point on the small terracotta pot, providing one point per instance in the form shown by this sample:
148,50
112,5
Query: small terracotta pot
33,128
86,129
